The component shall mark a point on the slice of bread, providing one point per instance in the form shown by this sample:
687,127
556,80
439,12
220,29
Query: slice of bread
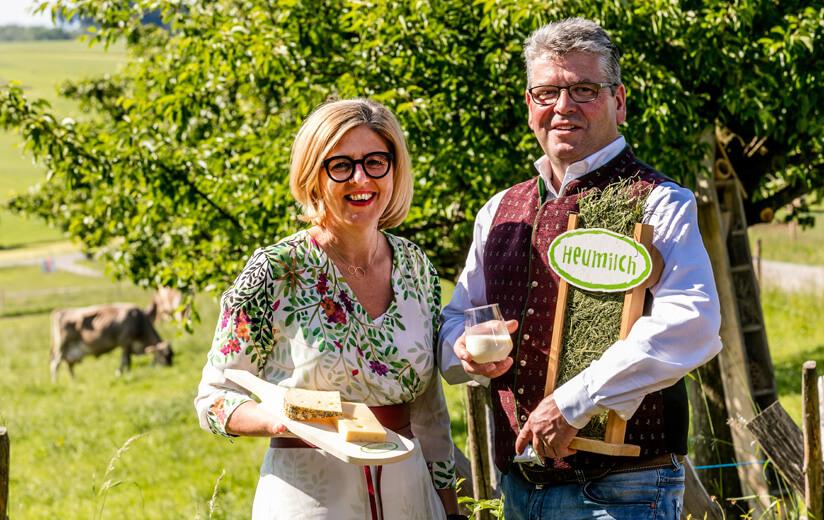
301,404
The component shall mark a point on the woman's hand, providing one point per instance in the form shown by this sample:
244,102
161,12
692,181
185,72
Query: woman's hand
490,370
251,420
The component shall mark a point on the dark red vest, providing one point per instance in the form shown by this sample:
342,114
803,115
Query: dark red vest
519,279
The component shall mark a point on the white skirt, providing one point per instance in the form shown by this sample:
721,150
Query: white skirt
308,484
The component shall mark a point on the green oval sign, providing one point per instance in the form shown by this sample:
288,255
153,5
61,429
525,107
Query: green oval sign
599,260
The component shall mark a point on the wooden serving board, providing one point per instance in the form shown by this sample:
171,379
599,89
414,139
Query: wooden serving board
322,433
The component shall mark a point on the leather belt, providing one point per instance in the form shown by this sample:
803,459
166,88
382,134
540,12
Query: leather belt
395,417
547,476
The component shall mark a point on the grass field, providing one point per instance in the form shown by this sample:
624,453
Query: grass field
64,436
40,67
781,242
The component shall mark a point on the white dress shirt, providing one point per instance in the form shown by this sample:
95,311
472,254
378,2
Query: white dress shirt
680,334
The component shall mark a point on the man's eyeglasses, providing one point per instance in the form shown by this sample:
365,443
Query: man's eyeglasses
341,168
579,92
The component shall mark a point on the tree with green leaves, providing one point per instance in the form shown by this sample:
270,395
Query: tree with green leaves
183,170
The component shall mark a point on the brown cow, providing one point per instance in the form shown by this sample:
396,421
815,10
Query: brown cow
79,332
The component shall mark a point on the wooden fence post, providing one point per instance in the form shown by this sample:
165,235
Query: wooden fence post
4,473
813,482
782,442
757,259
478,445
821,406
698,504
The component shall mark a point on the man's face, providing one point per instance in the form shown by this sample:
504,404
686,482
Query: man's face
569,131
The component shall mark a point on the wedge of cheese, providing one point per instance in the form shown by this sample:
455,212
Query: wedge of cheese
358,424
301,404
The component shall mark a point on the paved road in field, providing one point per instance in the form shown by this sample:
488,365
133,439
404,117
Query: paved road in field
791,277
67,262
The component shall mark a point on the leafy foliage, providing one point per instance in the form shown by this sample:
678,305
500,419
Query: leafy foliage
184,171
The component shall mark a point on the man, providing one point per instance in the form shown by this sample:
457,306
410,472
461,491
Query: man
576,102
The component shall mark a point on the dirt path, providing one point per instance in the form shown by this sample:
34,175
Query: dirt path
67,262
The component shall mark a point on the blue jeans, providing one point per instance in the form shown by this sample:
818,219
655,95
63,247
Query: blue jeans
654,494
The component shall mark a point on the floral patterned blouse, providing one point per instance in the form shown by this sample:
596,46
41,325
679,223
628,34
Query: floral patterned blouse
291,319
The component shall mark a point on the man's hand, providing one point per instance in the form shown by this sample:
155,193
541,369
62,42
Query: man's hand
548,431
490,370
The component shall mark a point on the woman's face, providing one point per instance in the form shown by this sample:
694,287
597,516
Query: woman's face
360,201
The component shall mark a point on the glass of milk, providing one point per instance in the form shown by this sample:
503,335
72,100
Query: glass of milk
486,336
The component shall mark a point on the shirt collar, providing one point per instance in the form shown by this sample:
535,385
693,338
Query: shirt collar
580,168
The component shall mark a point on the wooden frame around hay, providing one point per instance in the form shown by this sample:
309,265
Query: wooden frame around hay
613,443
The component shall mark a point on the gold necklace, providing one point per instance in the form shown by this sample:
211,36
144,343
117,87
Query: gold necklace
356,271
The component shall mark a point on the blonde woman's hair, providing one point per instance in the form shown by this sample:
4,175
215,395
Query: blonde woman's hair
322,131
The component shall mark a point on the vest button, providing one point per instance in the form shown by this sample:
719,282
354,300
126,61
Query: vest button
534,283
530,312
523,418
521,391
523,362
526,337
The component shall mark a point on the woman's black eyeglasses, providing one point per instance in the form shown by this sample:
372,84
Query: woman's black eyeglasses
341,168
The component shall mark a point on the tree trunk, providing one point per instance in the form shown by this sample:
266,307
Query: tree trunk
732,383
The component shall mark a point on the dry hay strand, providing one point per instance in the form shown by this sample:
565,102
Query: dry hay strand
593,319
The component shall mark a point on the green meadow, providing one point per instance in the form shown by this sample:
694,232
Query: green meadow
40,67
106,446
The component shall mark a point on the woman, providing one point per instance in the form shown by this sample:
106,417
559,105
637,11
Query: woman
340,306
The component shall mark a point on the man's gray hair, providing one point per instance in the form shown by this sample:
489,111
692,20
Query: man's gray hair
555,39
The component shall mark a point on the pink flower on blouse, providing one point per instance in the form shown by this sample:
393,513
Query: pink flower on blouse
217,410
232,346
224,318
